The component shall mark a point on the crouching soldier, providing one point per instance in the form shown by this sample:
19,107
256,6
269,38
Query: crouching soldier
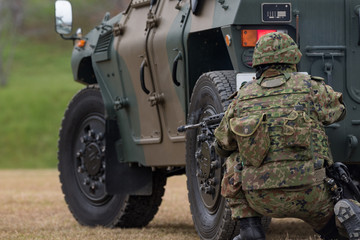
273,135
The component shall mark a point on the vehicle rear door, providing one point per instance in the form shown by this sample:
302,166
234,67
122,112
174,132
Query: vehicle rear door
325,38
352,81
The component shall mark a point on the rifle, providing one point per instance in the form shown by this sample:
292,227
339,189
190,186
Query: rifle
210,122
341,183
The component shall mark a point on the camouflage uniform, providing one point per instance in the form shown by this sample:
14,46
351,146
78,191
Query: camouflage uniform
274,129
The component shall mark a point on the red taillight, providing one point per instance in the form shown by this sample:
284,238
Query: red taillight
261,33
249,37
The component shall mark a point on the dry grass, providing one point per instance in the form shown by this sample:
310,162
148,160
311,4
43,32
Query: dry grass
32,207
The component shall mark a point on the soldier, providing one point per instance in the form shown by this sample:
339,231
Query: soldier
273,135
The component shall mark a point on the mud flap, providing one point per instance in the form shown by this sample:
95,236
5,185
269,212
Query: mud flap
121,178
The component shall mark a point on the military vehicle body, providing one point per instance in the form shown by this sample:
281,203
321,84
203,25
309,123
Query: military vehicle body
161,64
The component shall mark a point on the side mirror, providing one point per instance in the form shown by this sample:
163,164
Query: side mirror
63,17
194,6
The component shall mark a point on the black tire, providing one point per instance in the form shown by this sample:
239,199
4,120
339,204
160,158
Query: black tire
211,216
82,170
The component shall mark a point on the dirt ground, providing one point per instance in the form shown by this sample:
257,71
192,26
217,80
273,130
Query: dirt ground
32,207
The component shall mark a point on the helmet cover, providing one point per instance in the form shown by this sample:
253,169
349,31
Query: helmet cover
276,47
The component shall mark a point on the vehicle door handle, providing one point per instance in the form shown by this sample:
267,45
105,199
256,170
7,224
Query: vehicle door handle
357,12
352,144
174,68
328,68
142,76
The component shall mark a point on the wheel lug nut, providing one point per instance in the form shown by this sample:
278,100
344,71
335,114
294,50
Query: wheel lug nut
81,169
85,139
209,190
214,164
86,181
80,153
100,137
212,181
91,133
102,179
198,154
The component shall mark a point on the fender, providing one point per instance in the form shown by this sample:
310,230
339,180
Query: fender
122,178
81,63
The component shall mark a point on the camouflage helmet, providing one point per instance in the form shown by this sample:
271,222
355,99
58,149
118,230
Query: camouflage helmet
276,47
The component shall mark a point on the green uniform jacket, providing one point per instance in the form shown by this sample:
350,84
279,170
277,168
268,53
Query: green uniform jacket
276,123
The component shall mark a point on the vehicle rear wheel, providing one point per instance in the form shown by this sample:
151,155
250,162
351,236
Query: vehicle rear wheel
211,216
204,169
82,170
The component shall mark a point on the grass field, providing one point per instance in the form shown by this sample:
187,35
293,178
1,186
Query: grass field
32,207
33,103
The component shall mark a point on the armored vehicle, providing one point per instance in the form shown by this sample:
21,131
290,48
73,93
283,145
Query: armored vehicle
162,64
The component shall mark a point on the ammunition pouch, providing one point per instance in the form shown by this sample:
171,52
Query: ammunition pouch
297,130
252,137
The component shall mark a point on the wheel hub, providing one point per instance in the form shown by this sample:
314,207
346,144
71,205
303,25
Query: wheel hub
91,166
204,160
92,158
208,171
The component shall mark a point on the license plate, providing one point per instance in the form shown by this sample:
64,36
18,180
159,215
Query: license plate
276,12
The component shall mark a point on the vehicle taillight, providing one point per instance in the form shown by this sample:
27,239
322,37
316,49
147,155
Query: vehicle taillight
249,37
261,33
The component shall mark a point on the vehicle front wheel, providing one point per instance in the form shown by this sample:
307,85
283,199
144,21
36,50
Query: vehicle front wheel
82,170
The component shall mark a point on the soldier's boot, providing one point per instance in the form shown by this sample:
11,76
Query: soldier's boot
348,214
251,229
330,231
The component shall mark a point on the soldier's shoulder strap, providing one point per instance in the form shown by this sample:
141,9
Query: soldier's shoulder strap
232,96
316,78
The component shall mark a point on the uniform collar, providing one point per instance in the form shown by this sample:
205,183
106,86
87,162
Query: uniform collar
277,70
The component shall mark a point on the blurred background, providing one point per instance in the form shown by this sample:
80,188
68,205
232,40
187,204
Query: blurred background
36,81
